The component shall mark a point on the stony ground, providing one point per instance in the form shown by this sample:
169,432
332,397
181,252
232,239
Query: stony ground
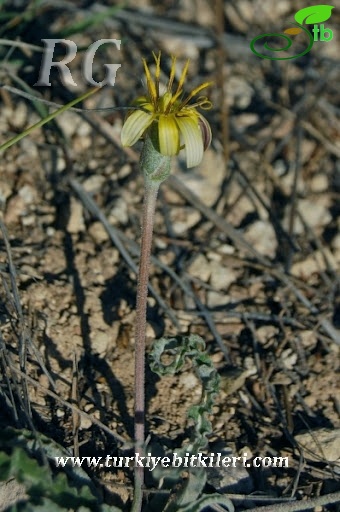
246,246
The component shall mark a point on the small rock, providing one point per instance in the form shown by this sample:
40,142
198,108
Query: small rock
307,150
206,180
190,382
11,493
238,92
289,358
221,277
235,18
308,339
69,122
29,147
119,213
28,220
321,444
81,143
19,115
226,249
84,128
76,222
243,121
199,268
314,264
266,333
184,218
215,299
85,423
5,192
94,183
315,213
98,233
229,479
261,236
28,193
102,341
15,209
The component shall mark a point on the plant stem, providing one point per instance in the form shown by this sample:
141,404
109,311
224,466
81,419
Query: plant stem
150,197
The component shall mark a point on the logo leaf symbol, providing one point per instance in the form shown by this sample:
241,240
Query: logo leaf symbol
293,31
314,14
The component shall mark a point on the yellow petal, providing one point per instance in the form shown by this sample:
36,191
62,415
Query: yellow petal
179,89
195,91
158,71
182,79
150,83
168,135
135,126
192,138
172,73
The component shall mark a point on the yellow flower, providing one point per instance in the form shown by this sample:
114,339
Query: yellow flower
170,121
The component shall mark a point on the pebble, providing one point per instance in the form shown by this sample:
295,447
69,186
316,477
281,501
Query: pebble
261,235
199,267
98,232
11,493
238,92
215,299
119,214
76,222
206,180
85,423
28,194
244,121
102,341
319,183
69,123
314,264
184,218
19,115
94,183
321,444
221,277
5,192
15,209
289,358
316,214
229,479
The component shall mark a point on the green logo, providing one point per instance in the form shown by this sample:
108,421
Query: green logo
310,16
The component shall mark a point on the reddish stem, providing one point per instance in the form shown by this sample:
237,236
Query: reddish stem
149,205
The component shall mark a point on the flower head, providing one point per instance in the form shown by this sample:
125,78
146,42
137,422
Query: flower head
171,122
